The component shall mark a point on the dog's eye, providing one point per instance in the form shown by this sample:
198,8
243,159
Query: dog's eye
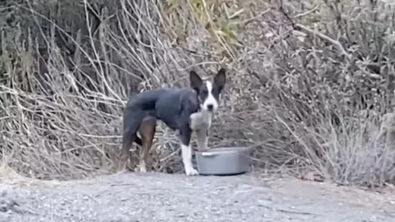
204,92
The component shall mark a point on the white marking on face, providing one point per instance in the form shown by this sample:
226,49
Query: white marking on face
210,103
201,120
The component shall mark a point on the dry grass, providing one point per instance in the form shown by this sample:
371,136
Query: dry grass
310,84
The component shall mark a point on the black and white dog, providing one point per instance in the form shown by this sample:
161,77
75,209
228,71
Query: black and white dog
185,110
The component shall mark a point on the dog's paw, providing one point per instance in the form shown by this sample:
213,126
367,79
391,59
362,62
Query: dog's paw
143,169
122,165
142,166
191,172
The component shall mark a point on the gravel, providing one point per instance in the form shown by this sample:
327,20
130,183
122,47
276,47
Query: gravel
141,197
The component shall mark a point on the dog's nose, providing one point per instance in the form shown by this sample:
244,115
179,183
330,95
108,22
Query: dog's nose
210,107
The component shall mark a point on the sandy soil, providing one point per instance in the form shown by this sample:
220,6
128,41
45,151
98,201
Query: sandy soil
136,197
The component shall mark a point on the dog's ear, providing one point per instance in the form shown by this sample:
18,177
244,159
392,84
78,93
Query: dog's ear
195,80
220,78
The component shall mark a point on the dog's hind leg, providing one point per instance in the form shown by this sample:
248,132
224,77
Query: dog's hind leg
127,141
147,132
131,125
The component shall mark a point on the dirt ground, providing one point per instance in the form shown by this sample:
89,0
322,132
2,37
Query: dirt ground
141,197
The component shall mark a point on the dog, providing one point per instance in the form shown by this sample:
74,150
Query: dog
185,110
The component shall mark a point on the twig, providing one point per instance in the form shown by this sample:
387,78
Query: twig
310,31
286,211
326,38
306,13
246,22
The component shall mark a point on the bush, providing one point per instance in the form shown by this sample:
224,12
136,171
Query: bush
310,83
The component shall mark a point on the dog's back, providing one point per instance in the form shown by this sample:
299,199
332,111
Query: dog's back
146,101
162,103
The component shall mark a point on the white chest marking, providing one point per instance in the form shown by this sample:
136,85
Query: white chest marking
201,120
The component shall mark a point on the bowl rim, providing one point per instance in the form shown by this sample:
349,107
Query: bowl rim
216,150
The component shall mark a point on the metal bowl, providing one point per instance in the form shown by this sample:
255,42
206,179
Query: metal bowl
223,161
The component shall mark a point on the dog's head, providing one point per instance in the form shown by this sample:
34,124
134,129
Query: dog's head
208,91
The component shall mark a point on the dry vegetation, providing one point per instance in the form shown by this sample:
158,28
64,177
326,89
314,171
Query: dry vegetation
310,84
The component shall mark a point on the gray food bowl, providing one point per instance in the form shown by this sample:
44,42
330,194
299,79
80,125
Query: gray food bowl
223,161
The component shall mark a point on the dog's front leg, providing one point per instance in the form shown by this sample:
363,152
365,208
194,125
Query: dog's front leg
186,151
201,139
